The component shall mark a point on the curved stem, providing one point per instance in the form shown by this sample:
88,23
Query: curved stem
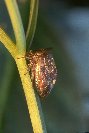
30,96
18,51
8,43
26,82
32,21
17,24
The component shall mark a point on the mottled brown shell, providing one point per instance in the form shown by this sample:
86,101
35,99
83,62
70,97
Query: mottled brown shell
43,70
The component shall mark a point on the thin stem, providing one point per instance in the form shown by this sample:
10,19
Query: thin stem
17,24
30,96
34,111
8,43
18,52
32,21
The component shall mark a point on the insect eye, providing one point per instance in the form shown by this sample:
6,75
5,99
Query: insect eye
43,70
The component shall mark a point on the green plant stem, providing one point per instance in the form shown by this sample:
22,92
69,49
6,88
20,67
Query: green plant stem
18,52
32,21
17,24
26,82
8,43
30,97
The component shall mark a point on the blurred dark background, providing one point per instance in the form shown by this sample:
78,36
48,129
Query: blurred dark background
64,26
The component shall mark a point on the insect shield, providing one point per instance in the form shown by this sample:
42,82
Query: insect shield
43,70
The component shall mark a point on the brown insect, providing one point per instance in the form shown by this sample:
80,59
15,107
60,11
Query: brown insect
43,70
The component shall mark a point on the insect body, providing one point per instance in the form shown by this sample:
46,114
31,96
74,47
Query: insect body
43,70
